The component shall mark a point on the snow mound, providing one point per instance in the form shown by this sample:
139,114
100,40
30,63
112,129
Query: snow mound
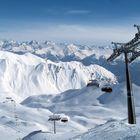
41,135
112,130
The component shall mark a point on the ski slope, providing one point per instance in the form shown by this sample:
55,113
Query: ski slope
112,130
105,113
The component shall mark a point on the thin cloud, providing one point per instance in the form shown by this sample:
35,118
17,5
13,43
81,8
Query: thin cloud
90,34
73,33
78,12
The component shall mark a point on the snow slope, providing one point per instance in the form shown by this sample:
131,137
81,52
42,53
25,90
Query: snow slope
87,104
20,121
112,130
106,113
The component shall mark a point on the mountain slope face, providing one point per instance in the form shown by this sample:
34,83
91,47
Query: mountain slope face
27,75
54,51
70,52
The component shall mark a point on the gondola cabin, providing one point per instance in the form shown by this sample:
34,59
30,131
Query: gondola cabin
64,119
93,83
107,89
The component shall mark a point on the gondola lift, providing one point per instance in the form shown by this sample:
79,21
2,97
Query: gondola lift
64,119
107,88
93,83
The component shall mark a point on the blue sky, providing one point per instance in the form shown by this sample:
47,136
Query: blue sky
78,21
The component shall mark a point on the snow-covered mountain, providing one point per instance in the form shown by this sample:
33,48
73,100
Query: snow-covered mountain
64,52
27,75
38,79
54,51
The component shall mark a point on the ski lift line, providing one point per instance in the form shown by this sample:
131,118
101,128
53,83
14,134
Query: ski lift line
56,117
15,116
6,125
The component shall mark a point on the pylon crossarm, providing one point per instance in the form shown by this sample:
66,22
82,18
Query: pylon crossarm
119,48
124,47
118,43
131,46
113,56
138,27
134,56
